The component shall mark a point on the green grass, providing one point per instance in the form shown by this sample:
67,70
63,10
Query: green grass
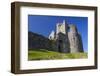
42,54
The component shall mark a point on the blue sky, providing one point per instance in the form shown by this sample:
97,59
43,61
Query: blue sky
45,24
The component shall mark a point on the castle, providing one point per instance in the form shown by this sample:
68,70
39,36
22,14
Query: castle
66,38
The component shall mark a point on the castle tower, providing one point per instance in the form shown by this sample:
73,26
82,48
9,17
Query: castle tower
62,37
75,40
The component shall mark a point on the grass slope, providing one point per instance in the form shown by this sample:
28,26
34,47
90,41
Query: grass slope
42,54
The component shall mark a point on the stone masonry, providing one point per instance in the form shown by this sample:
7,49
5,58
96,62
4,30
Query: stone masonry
66,38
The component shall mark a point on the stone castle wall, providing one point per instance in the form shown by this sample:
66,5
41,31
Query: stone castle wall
75,40
67,38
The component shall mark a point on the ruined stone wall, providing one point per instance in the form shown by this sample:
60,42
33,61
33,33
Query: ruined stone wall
36,41
62,42
66,39
75,40
80,43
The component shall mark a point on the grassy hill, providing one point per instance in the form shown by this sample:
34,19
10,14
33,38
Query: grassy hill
42,54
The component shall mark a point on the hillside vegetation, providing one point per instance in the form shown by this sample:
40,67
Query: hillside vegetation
42,54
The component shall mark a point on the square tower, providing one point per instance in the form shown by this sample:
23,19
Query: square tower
62,40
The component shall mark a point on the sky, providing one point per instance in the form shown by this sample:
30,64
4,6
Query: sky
45,24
